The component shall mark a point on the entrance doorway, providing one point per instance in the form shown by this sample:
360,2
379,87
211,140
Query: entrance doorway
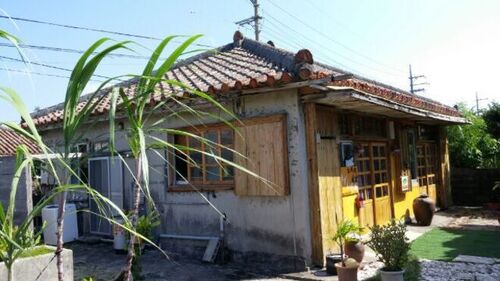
106,177
373,181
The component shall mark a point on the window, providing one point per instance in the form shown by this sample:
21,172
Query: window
346,154
426,155
261,144
409,152
366,126
195,165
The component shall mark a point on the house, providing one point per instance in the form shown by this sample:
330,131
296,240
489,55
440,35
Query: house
9,141
335,145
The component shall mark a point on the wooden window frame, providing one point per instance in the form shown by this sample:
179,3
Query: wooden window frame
204,184
172,186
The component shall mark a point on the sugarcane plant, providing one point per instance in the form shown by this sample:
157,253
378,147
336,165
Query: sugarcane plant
73,119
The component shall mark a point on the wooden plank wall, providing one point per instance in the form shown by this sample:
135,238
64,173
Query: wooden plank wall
314,206
264,143
330,188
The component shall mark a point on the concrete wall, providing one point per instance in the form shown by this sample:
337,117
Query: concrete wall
23,201
274,225
41,267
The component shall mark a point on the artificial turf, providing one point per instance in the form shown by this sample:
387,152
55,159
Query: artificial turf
447,244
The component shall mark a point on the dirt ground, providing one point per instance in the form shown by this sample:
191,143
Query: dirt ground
473,218
99,261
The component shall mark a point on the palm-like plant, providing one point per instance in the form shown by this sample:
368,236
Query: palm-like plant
73,119
344,229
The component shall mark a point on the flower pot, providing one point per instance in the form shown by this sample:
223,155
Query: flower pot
355,250
331,260
391,275
346,273
423,208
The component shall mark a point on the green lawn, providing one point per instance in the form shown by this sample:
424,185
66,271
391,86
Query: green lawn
446,244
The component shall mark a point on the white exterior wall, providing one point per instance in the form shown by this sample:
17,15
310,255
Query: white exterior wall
275,225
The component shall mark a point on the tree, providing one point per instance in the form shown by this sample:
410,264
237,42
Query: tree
492,119
471,145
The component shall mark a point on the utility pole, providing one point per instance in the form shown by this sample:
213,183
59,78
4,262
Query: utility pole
413,84
477,103
253,21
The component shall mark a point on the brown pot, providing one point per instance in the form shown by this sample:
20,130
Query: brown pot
346,273
355,250
423,208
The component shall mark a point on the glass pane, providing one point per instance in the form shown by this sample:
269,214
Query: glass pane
375,151
367,165
382,151
366,151
196,174
196,157
227,154
378,192
226,137
369,193
209,159
213,173
377,178
195,143
384,177
382,164
385,190
212,136
376,165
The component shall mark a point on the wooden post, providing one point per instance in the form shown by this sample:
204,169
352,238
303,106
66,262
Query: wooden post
444,169
314,204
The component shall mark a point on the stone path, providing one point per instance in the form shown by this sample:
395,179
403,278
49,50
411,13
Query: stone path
444,271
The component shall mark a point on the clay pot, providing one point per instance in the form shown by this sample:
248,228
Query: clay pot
355,250
423,208
346,273
331,260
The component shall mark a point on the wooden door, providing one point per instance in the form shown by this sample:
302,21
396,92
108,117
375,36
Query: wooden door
373,182
330,192
426,164
363,162
383,210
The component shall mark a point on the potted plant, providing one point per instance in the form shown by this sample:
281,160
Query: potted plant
391,246
347,269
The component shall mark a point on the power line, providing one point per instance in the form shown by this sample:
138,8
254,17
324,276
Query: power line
68,50
48,66
39,73
328,37
328,49
94,29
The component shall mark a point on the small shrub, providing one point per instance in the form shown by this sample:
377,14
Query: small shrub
391,245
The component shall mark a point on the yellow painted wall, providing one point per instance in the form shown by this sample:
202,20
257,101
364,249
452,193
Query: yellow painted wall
349,207
403,202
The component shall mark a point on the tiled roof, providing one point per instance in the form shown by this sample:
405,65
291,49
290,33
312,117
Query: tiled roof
9,141
248,64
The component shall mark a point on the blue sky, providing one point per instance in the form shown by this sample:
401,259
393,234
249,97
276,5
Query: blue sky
454,43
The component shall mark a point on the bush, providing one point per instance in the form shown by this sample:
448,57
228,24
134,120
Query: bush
391,245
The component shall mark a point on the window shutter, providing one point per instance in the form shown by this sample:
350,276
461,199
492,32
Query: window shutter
264,144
